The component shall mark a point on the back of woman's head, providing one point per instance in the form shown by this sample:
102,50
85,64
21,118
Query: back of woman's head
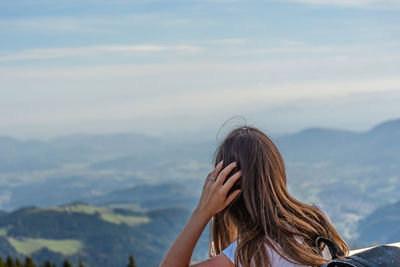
264,213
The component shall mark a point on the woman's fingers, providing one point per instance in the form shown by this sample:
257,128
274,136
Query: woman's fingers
217,169
232,196
222,175
231,181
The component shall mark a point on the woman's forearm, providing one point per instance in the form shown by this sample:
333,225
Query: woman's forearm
180,252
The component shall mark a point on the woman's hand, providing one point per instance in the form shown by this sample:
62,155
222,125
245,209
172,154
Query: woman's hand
214,196
213,199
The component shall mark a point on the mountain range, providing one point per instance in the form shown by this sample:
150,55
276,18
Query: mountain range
353,176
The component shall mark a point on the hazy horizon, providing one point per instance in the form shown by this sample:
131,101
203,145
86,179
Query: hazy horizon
206,134
165,68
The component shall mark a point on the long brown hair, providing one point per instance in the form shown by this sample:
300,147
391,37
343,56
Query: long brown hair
264,213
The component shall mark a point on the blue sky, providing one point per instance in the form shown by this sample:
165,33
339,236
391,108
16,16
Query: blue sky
168,67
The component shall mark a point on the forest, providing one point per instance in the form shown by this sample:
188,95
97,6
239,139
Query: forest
28,262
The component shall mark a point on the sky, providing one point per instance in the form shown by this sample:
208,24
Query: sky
169,68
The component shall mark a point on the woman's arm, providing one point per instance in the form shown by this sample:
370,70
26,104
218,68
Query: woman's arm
213,199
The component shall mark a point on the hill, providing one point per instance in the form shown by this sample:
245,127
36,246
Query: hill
376,146
96,235
381,226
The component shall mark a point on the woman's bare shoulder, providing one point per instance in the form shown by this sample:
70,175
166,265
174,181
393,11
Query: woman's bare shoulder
220,260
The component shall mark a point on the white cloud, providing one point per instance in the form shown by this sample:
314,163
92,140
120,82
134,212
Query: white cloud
393,44
379,4
228,41
51,53
298,48
89,23
232,47
49,23
384,4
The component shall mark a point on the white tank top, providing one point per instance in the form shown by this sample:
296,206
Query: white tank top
273,256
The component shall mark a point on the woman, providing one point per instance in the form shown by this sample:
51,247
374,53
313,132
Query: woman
255,221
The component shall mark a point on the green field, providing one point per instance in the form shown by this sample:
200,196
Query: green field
106,214
3,232
129,220
79,208
27,246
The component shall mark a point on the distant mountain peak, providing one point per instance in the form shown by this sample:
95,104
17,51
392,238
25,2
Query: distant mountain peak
318,133
324,130
387,126
8,139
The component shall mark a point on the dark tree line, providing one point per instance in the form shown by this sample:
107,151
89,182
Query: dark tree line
10,262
